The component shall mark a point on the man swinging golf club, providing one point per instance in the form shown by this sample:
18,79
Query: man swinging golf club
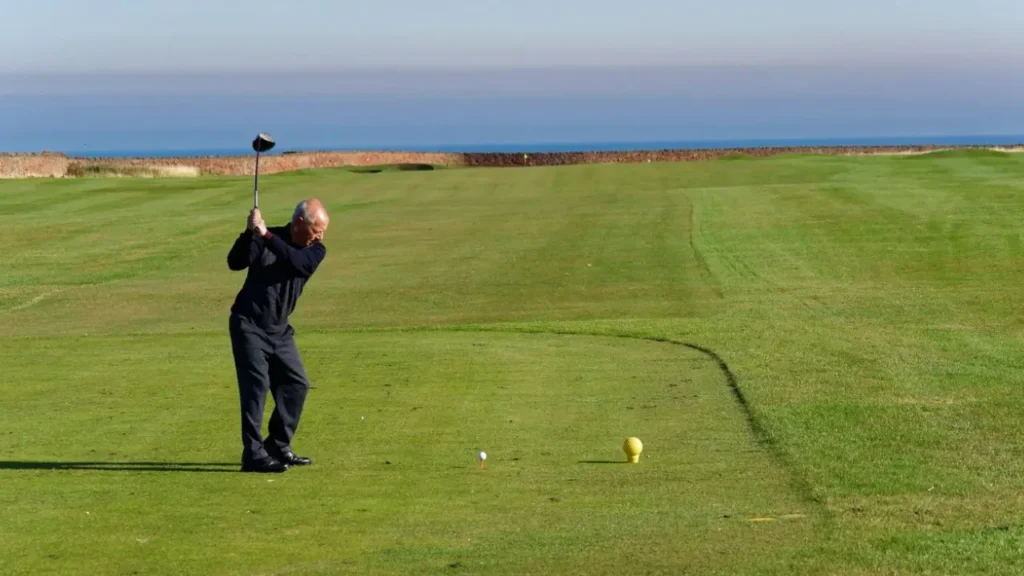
280,261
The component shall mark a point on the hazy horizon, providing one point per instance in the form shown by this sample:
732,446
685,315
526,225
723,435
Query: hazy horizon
112,74
431,108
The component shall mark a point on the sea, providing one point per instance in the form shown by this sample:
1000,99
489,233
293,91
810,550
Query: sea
520,112
584,146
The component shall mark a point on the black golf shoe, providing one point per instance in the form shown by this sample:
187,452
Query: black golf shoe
266,465
289,458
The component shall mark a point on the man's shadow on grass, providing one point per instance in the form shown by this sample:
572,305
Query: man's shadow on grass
123,466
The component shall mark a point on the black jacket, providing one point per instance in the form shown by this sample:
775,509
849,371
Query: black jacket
277,274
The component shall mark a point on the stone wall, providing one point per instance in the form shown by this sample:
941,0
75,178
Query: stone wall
57,165
42,165
243,165
565,158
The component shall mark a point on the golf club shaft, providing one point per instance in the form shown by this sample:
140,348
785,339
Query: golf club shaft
262,143
256,183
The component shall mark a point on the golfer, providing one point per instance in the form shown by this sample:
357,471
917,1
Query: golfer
280,261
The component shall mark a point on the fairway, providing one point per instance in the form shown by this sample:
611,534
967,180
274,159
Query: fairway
822,356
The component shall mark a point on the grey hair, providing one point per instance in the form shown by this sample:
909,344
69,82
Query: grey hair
302,211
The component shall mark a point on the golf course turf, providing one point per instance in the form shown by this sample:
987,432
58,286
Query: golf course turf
822,356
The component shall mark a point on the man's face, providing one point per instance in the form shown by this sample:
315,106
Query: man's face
304,234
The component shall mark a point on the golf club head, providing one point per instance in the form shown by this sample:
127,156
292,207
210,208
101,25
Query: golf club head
263,142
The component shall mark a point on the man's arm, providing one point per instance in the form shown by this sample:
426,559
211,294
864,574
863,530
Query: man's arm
246,249
303,260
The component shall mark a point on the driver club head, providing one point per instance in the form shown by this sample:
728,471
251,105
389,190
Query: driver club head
263,142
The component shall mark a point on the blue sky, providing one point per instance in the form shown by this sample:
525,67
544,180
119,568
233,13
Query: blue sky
161,35
191,74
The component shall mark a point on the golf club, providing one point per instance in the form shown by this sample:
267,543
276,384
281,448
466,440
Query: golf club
262,143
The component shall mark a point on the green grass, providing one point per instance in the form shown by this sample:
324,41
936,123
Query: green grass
868,309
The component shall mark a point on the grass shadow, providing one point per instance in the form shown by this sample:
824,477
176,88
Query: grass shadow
122,466
404,167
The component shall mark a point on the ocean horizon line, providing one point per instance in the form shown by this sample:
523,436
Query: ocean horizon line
555,147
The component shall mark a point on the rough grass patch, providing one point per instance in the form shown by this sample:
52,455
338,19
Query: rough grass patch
82,170
966,154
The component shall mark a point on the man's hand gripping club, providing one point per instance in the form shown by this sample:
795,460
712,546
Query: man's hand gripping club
255,222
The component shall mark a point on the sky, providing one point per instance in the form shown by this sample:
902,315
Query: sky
162,35
114,74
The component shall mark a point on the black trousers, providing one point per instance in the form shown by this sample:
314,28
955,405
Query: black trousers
262,363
